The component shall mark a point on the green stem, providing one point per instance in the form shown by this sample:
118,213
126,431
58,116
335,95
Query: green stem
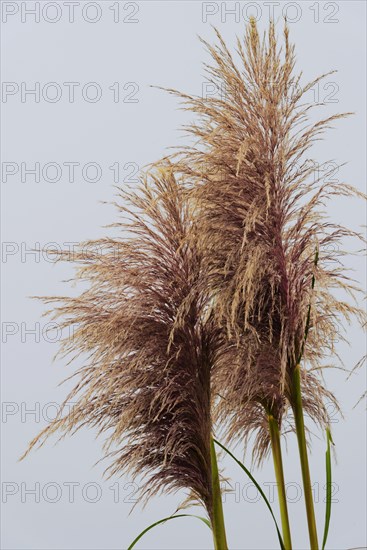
217,519
302,446
279,475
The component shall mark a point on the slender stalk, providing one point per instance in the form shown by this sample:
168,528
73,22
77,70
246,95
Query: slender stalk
279,475
217,520
302,446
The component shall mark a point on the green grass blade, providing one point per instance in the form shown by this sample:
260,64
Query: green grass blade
243,467
308,319
204,520
328,486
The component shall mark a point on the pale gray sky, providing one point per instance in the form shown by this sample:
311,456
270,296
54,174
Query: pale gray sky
93,116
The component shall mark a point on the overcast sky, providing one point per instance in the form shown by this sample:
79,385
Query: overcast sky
93,121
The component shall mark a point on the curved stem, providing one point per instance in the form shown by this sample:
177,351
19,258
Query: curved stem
279,475
217,519
302,446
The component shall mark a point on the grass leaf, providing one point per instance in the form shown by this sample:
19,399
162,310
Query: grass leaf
328,486
243,467
204,520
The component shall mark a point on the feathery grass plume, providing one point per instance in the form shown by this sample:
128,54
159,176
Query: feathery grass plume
261,222
146,384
